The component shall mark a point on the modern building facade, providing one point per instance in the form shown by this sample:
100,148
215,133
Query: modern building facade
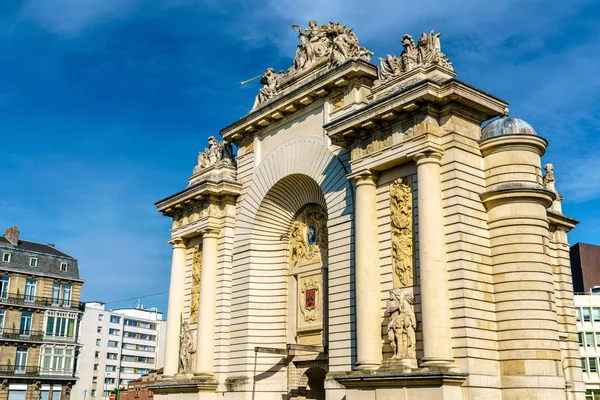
118,346
587,308
373,239
585,267
40,316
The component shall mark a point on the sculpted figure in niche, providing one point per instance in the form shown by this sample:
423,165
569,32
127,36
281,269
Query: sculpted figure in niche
403,324
402,234
297,241
186,349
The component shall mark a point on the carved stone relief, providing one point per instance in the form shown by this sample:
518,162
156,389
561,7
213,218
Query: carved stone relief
195,292
403,324
186,349
402,232
550,183
216,153
331,44
308,236
310,298
426,52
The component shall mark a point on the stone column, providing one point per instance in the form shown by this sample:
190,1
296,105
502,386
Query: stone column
175,309
433,271
368,291
207,305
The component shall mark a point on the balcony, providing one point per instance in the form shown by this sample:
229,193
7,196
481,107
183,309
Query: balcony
40,302
21,335
23,371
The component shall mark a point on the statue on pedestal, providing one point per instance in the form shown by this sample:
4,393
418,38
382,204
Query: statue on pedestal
403,324
186,349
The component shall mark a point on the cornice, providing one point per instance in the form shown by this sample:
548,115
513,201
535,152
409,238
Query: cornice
178,201
298,98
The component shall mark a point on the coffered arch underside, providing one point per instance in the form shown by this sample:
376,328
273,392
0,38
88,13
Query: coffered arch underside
299,172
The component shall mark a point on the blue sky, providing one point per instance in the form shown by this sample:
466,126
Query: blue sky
104,105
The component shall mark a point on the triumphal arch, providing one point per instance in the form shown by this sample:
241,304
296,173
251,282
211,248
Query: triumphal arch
365,232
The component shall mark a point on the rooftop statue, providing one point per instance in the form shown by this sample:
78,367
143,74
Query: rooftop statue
216,153
331,44
426,52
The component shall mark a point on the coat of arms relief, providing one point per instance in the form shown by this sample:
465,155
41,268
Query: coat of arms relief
308,237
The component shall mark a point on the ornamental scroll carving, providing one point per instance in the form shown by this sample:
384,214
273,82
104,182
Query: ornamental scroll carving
186,349
401,207
403,324
195,292
308,236
426,52
310,298
331,44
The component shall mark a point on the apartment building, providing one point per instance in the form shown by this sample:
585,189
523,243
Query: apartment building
40,315
119,346
587,310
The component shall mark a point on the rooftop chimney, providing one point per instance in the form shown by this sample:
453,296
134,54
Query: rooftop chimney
51,244
12,235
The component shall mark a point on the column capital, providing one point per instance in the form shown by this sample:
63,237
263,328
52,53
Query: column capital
178,242
428,157
367,177
209,233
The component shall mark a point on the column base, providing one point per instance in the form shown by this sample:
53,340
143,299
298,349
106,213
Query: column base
438,364
368,366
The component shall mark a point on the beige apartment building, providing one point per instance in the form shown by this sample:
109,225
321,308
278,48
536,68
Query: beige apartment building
384,232
40,314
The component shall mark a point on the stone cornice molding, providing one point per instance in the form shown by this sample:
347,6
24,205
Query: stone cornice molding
298,98
198,192
517,193
562,222
411,98
513,142
433,379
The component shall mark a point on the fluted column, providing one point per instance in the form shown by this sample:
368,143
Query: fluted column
433,270
207,305
175,308
368,291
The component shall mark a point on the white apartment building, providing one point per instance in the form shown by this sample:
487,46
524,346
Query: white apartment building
587,309
118,346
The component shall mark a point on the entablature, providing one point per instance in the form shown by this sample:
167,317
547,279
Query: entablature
197,193
299,98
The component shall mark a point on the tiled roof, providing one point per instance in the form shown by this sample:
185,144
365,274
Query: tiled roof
37,247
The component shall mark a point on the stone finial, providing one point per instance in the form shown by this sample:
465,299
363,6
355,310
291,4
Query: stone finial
427,51
331,45
216,153
550,183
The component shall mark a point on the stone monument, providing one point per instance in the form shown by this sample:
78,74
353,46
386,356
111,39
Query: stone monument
382,232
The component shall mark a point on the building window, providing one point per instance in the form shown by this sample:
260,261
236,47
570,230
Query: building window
98,342
99,329
94,392
94,379
21,360
596,314
57,360
63,266
580,337
67,290
592,365
111,368
583,365
109,381
112,343
6,257
589,338
586,313
112,331
100,317
111,356
115,319
25,328
2,314
33,261
578,314
4,283
106,393
97,354
95,367
30,286
60,324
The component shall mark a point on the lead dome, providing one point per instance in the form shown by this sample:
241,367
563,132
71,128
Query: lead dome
506,125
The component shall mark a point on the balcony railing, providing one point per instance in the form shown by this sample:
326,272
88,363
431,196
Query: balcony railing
21,334
21,370
38,301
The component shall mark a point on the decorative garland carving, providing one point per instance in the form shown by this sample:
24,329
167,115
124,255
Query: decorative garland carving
195,293
402,232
